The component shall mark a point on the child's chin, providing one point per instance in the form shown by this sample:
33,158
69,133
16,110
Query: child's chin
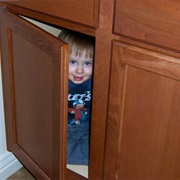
78,82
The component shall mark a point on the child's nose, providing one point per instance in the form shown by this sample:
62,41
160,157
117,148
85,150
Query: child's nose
79,69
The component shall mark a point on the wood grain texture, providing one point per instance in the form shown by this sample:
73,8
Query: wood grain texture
79,11
100,89
35,68
155,22
142,106
143,117
52,20
73,175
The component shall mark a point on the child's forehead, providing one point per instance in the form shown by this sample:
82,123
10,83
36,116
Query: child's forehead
82,58
80,50
80,54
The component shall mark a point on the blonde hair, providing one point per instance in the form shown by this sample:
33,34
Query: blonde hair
80,44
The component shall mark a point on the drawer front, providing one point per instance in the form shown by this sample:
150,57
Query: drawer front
152,21
83,12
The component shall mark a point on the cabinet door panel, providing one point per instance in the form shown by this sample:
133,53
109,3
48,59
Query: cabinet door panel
35,66
143,117
152,21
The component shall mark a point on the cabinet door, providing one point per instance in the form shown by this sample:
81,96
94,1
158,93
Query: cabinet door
143,130
34,67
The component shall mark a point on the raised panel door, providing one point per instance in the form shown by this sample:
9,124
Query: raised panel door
143,116
35,76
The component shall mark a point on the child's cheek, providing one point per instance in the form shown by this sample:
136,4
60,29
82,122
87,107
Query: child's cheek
71,68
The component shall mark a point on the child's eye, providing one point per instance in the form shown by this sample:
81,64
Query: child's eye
72,62
88,63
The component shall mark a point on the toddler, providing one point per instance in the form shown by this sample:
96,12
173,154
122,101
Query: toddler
79,95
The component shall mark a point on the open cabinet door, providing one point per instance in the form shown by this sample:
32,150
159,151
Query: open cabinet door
35,76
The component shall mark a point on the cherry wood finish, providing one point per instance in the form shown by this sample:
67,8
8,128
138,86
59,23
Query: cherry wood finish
69,13
35,66
100,89
72,175
96,156
140,139
81,11
156,22
143,115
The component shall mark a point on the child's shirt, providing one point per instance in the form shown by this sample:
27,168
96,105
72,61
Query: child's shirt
79,108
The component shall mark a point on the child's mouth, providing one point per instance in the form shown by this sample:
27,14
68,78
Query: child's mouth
78,78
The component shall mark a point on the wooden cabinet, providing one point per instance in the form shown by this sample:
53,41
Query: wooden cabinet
154,22
83,22
35,67
135,105
80,15
143,115
80,11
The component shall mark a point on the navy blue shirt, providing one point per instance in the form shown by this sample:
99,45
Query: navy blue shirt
79,108
79,94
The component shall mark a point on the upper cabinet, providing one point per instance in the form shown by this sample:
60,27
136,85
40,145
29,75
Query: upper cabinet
82,12
157,22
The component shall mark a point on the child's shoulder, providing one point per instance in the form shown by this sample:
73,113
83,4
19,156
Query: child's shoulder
88,83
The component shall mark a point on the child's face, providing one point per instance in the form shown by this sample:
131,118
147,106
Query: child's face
80,68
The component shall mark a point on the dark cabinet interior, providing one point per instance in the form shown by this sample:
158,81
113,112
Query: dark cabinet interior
135,117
